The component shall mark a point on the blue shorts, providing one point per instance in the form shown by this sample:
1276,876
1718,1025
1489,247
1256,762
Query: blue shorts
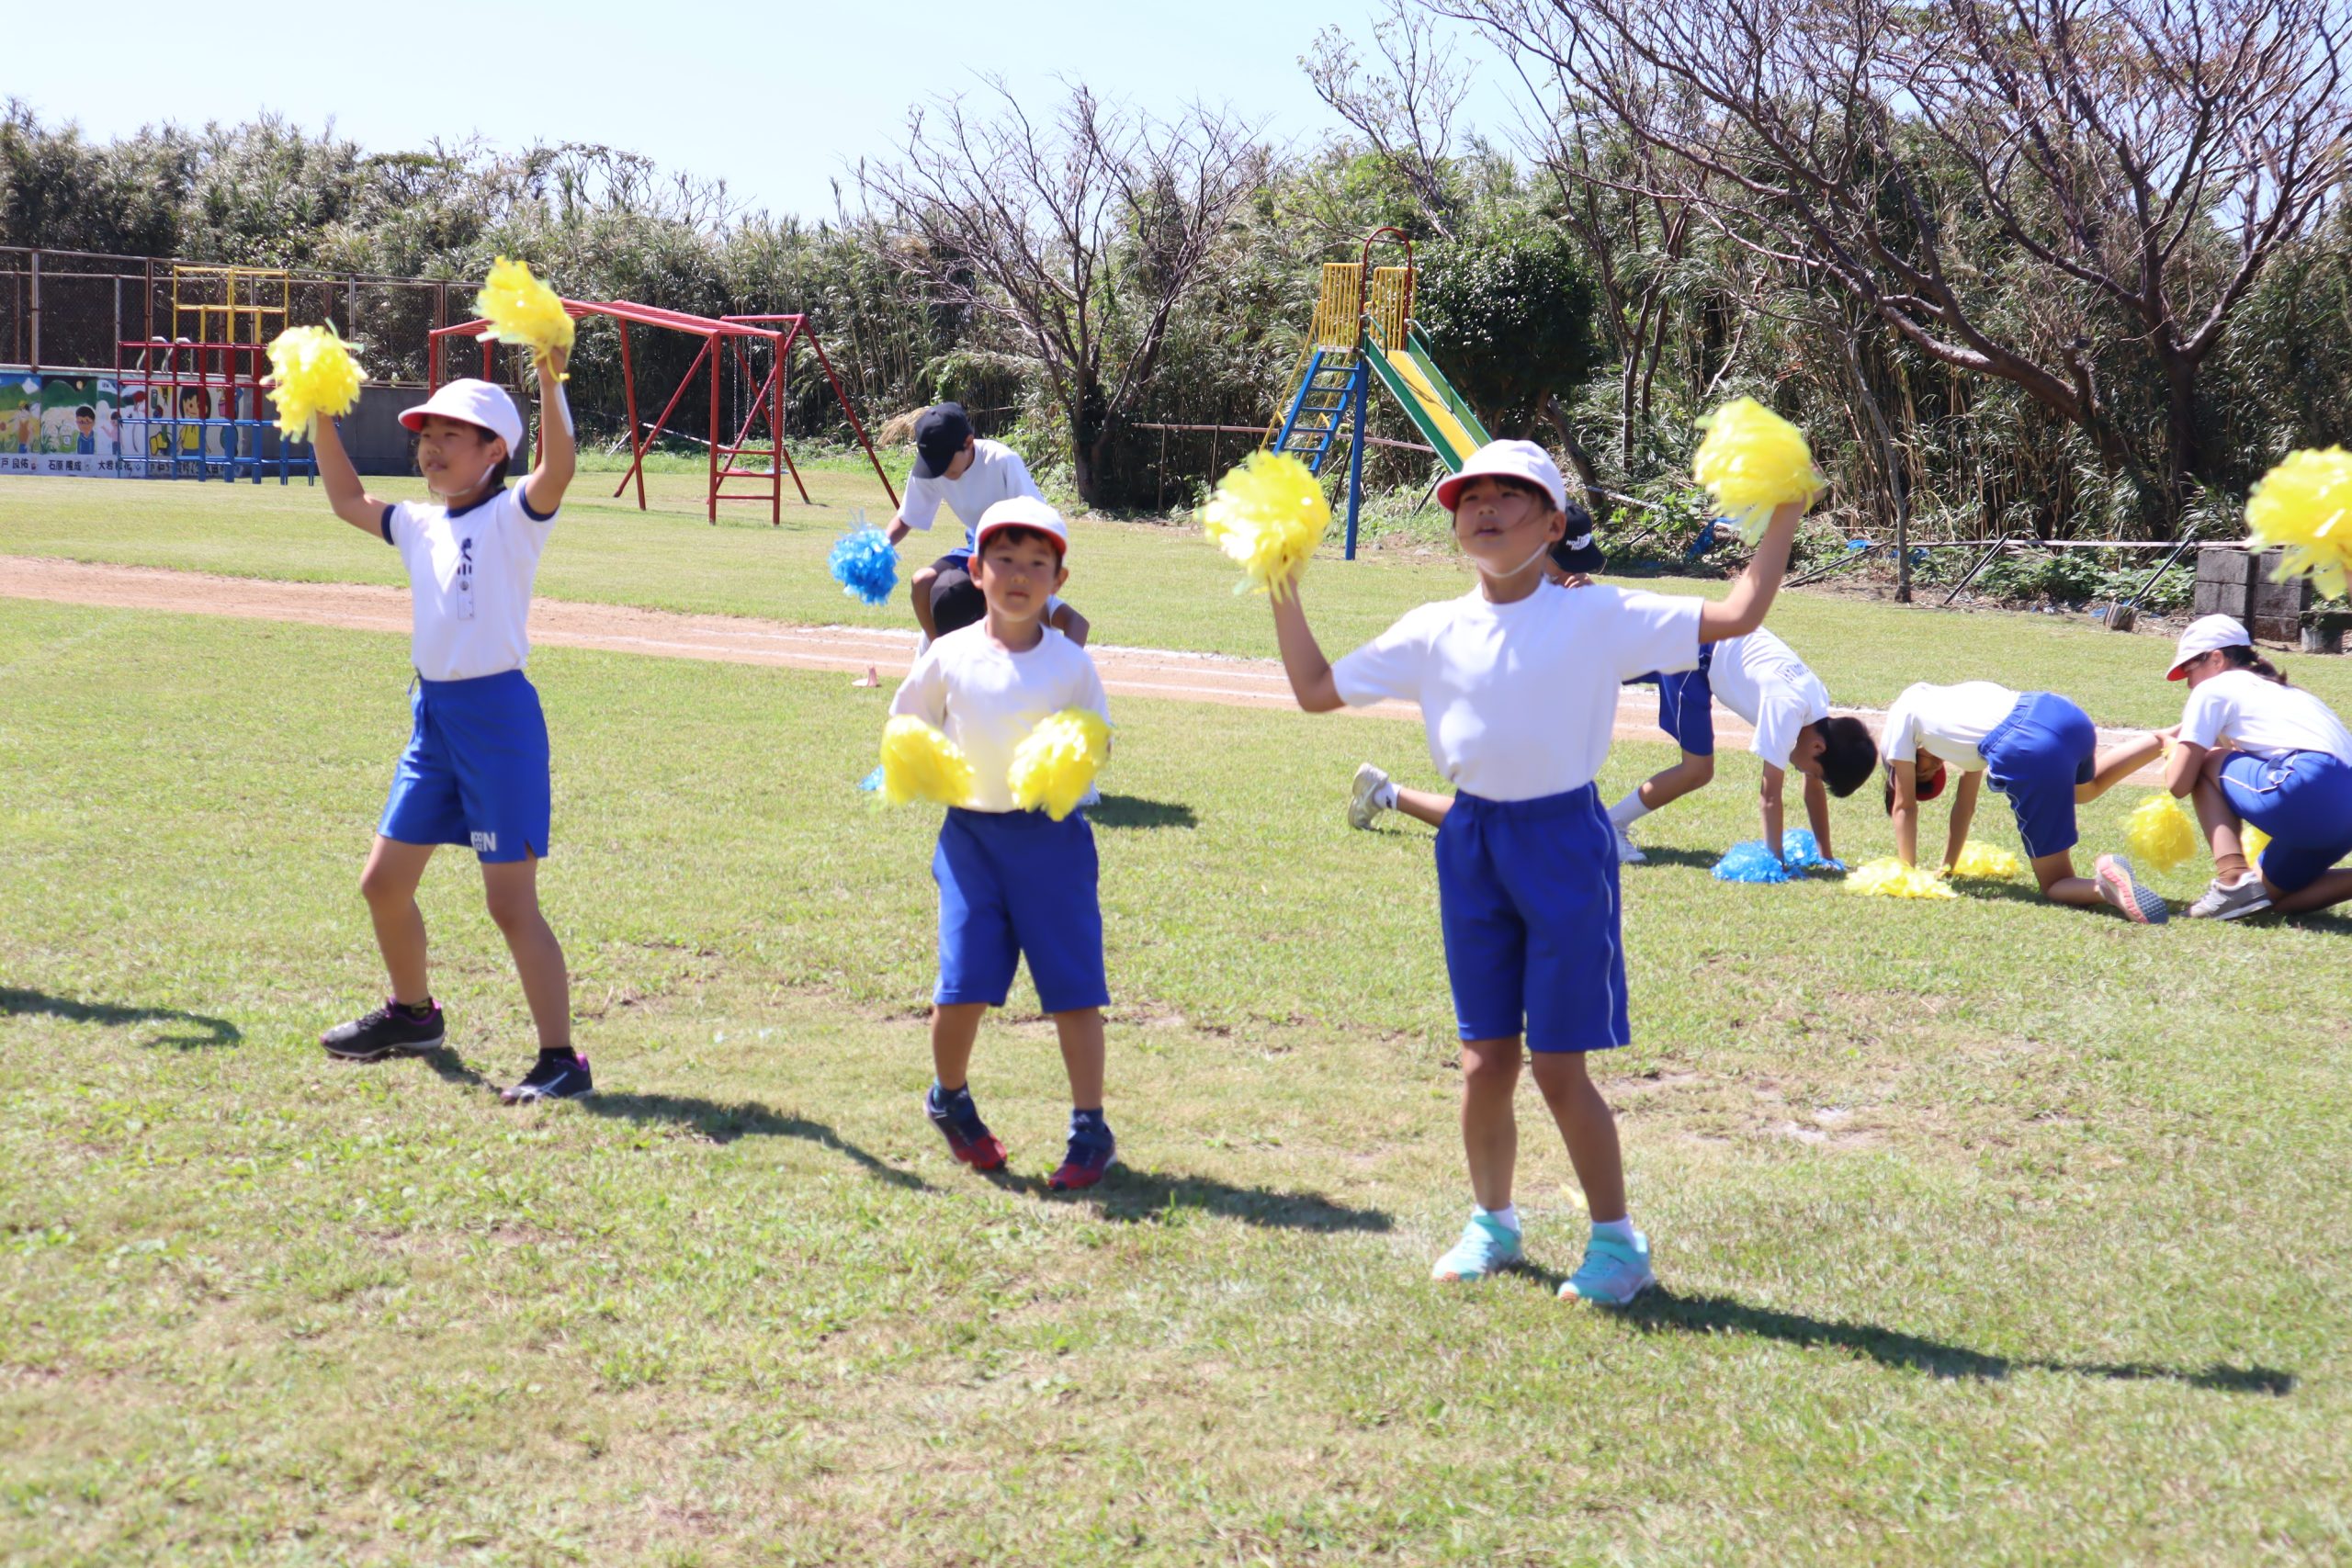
1016,884
1686,703
1527,893
476,769
2036,757
2303,800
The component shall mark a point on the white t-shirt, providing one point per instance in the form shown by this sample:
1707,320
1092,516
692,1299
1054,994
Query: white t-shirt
1519,699
1760,679
469,574
995,473
2263,717
988,698
1950,722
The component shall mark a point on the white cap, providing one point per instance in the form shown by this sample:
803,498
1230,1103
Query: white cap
476,402
1023,511
2204,634
1512,460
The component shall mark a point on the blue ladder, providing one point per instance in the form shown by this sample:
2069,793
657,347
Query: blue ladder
1318,408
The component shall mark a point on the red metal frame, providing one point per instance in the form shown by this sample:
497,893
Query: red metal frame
742,336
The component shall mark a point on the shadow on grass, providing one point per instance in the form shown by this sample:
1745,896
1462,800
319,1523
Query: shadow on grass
1667,854
716,1121
1129,1196
1133,811
209,1032
1659,1311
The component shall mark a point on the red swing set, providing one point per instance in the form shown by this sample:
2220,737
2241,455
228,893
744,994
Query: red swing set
748,343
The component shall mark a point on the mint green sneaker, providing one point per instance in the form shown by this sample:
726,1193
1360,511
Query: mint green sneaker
1612,1273
1487,1245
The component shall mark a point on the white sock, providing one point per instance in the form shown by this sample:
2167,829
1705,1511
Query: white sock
1628,810
1507,1216
1615,1230
1385,796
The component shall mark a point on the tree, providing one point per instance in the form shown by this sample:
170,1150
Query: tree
1405,113
2019,188
1076,238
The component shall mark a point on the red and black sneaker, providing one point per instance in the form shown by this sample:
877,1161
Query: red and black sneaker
1092,1150
958,1120
392,1030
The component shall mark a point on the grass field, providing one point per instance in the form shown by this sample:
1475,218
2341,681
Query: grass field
1991,1232
1145,585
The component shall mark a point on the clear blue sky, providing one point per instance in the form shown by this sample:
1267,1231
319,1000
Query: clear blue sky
775,99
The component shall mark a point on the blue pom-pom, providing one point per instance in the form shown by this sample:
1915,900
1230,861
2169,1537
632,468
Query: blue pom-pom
865,565
1751,861
1801,852
871,781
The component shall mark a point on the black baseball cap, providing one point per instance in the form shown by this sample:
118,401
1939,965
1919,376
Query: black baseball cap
940,433
1576,551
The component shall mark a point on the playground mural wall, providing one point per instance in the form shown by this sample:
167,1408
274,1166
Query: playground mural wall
59,424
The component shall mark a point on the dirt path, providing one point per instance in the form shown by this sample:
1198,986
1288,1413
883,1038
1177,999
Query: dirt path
734,639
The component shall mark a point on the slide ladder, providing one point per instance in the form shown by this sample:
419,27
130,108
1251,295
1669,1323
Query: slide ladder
1311,428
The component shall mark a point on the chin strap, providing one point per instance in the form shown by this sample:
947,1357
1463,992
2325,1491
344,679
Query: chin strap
1541,551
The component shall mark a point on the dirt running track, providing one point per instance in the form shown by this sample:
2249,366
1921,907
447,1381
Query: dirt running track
734,639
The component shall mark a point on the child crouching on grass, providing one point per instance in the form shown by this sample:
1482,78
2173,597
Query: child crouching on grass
1518,684
476,769
1014,883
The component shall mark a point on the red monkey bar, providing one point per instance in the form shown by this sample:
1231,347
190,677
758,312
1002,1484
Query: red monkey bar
748,341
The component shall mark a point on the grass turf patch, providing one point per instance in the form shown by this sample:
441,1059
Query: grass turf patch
1144,585
1992,1230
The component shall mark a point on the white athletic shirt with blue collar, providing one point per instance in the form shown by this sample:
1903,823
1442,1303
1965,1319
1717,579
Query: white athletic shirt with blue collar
470,575
1520,700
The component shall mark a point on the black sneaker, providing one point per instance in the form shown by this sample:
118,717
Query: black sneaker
555,1077
390,1030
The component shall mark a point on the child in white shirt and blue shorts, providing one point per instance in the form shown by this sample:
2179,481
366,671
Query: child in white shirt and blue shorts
2251,748
2041,752
476,770
1518,684
967,475
1013,884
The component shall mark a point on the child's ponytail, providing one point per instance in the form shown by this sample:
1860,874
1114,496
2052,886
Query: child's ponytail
2242,658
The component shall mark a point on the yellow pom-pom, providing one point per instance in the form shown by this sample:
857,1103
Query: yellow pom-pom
312,373
1887,877
522,310
1056,765
1753,461
2253,840
1985,862
1269,515
920,764
2160,833
2305,505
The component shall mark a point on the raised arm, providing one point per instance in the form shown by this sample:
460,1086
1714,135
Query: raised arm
1741,611
1303,660
559,453
344,492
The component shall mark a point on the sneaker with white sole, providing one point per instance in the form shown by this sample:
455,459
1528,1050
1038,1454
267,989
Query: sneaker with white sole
1368,796
1612,1273
2231,901
1628,852
1488,1245
2139,903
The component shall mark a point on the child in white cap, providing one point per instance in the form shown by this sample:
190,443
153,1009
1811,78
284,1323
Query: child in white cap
1518,682
1013,884
2253,749
475,772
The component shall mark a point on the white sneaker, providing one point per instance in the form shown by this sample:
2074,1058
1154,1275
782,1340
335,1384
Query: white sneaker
1368,796
1628,852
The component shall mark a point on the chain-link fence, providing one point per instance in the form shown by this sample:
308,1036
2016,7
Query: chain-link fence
62,309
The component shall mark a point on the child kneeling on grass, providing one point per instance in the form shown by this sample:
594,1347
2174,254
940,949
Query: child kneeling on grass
476,769
1518,682
1014,883
2042,751
2253,749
